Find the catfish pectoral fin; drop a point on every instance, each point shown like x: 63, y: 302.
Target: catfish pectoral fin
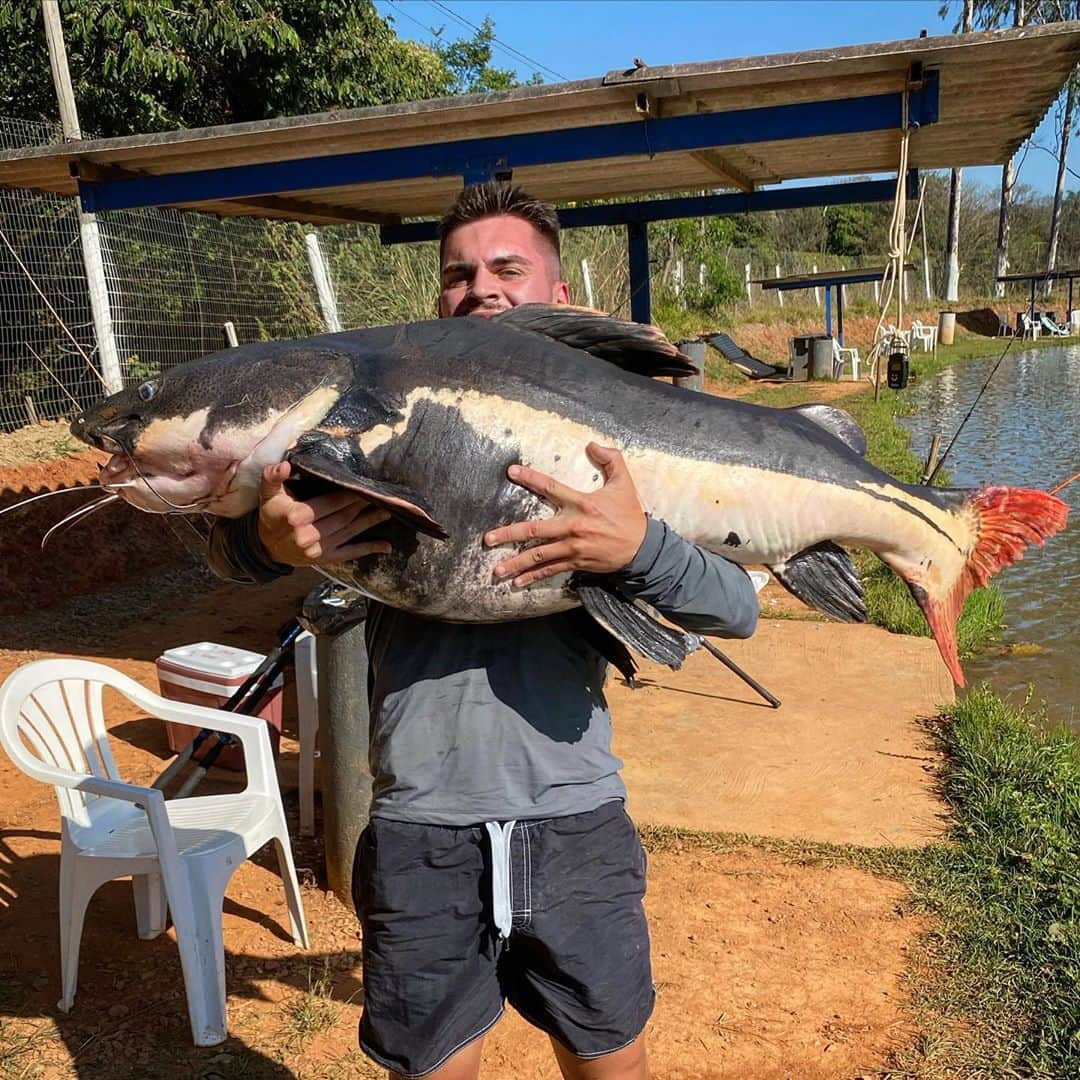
x: 824, y: 577
x: 630, y: 623
x: 339, y: 462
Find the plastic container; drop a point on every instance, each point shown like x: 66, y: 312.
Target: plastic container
x: 946, y: 327
x: 207, y: 673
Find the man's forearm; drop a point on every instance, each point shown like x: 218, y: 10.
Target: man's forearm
x: 700, y: 591
x: 235, y: 552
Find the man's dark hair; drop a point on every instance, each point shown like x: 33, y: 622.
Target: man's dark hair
x: 493, y: 198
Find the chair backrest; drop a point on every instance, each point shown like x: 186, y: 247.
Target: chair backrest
x: 52, y: 726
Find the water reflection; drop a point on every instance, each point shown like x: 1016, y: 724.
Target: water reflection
x: 1025, y: 431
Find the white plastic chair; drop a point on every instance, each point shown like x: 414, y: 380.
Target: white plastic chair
x: 844, y: 355
x: 307, y: 712
x: 925, y: 335
x: 1028, y: 329
x: 180, y: 855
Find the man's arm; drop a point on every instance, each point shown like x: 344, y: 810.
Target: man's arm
x: 697, y: 590
x: 285, y: 532
x: 607, y: 532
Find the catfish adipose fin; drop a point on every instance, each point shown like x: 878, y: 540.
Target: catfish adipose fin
x: 340, y: 463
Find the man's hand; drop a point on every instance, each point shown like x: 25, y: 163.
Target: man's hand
x: 598, y: 532
x: 319, y: 530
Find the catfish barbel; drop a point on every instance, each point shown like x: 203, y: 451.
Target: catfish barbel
x: 424, y: 419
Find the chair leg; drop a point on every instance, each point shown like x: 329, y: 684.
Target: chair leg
x: 76, y: 890
x: 151, y: 909
x: 195, y: 902
x: 298, y: 924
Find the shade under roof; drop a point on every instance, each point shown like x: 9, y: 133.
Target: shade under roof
x: 978, y: 96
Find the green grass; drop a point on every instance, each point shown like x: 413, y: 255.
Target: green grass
x: 1007, y: 952
x: 995, y: 984
x: 313, y: 1011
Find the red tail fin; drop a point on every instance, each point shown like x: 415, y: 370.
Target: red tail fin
x: 1010, y: 519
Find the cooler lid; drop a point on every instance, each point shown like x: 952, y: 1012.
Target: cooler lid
x: 225, y: 662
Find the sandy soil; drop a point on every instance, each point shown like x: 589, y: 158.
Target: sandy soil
x: 765, y: 967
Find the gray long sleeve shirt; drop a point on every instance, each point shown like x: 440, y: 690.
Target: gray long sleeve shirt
x: 508, y: 721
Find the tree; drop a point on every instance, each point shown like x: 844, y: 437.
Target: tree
x: 158, y: 65
x: 469, y: 62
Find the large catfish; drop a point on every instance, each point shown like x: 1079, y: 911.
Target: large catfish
x: 425, y: 418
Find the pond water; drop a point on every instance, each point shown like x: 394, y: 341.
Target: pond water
x: 1024, y: 432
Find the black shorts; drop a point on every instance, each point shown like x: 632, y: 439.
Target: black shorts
x: 437, y: 970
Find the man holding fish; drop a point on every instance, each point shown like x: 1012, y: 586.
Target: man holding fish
x: 499, y: 863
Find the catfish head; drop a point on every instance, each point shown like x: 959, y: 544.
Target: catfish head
x: 197, y: 438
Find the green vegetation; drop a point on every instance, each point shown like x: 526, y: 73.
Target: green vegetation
x: 994, y: 985
x: 165, y: 64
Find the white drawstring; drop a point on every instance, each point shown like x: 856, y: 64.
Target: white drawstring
x: 501, y: 904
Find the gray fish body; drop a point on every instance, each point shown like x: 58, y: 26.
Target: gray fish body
x: 424, y: 419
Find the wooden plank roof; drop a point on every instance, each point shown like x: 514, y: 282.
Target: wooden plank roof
x: 992, y: 90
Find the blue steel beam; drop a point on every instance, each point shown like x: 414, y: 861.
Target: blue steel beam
x: 637, y: 240
x: 859, y: 191
x: 487, y: 156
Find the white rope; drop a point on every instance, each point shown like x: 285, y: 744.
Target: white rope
x: 896, y: 253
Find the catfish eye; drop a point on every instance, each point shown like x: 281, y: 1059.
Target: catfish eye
x: 147, y: 391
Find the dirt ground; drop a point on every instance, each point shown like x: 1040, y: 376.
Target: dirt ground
x: 765, y: 967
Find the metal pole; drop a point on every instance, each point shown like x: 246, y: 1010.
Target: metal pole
x: 840, y: 314
x: 343, y: 751
x: 93, y: 263
x: 695, y: 350
x: 828, y: 310
x: 637, y: 240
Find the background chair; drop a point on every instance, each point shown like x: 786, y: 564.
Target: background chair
x: 844, y: 355
x: 925, y: 335
x: 180, y: 854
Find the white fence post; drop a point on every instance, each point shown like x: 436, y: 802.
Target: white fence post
x: 323, y: 286
x: 779, y: 292
x: 230, y: 334
x: 701, y: 275
x: 817, y: 291
x: 677, y: 277
x: 587, y: 278
x: 749, y: 297
x: 89, y: 233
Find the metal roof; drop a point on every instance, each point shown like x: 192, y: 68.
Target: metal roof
x: 1043, y: 275
x: 827, y: 277
x: 738, y: 123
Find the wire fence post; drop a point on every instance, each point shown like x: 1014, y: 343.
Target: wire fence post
x: 323, y: 285
x: 587, y: 278
x: 779, y: 292
x: 89, y: 234
x: 817, y: 291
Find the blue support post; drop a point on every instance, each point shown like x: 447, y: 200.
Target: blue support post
x: 828, y: 310
x: 637, y: 239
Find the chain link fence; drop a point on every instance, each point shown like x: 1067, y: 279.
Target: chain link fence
x: 174, y: 279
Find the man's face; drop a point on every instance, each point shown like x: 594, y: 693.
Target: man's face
x: 497, y: 263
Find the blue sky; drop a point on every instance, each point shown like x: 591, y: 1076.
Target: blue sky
x: 580, y: 39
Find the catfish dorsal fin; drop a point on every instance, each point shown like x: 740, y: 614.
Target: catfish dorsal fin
x: 632, y: 346
x: 836, y: 422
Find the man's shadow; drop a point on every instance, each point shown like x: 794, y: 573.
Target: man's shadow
x: 130, y: 1015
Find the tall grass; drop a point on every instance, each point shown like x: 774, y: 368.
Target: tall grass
x: 1007, y: 951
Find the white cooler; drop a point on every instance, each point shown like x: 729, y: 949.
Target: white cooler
x: 207, y: 673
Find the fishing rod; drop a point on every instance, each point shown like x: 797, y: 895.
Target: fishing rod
x: 941, y: 460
